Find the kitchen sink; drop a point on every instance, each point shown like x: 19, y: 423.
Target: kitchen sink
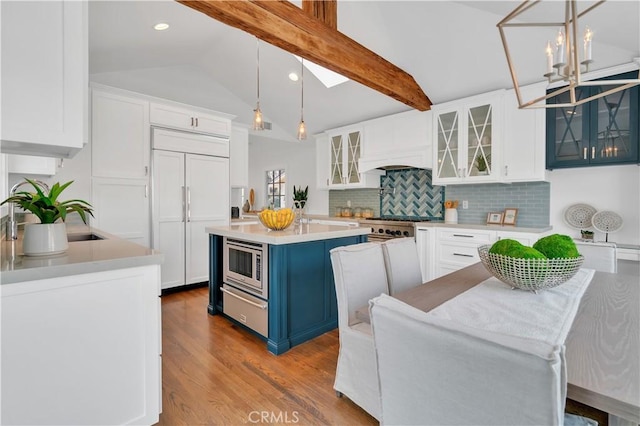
x: 72, y: 238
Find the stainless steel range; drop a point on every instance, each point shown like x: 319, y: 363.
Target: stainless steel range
x: 383, y: 229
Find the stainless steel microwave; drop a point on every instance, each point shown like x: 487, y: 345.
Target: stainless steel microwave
x: 246, y: 266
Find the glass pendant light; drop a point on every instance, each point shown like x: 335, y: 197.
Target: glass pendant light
x: 258, y: 122
x: 302, y: 130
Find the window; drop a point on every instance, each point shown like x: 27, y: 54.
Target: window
x: 276, y: 188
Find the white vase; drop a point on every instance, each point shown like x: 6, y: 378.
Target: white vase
x: 42, y: 239
x: 450, y: 216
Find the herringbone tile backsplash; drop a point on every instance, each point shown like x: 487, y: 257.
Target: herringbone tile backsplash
x: 410, y: 193
x: 414, y: 196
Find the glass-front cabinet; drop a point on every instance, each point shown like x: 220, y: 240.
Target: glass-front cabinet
x: 465, y: 141
x: 345, y: 148
x: 603, y: 131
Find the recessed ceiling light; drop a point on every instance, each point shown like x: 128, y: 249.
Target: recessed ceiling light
x: 161, y: 26
x: 293, y: 76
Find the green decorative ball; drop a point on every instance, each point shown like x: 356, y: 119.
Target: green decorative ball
x: 505, y: 247
x: 525, y: 252
x: 557, y: 246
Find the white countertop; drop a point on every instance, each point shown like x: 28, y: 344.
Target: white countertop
x: 483, y: 227
x: 82, y: 257
x: 291, y: 235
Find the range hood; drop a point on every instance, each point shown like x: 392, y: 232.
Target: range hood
x: 418, y: 157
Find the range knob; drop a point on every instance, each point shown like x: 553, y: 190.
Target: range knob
x: 388, y: 231
x: 405, y: 233
x: 397, y: 233
x: 380, y: 231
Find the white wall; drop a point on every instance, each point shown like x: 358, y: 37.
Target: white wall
x: 297, y: 159
x: 614, y: 188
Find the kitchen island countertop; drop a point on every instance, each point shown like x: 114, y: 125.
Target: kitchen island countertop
x: 308, y: 232
x: 82, y: 257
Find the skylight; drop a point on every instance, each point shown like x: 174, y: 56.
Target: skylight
x: 327, y: 77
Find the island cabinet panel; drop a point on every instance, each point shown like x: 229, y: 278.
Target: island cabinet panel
x: 302, y: 296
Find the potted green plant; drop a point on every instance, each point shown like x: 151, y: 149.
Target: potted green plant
x: 482, y: 164
x: 300, y: 196
x: 586, y: 234
x: 50, y: 235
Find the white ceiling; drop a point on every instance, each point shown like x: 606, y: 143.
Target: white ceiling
x: 452, y: 49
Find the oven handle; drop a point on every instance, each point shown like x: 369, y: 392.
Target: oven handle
x: 230, y: 293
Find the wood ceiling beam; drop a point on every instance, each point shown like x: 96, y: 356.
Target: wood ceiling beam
x: 324, y: 10
x: 288, y: 27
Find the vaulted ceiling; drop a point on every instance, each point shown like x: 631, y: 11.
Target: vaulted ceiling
x: 452, y: 49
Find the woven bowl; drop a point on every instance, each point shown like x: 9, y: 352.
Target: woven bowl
x: 529, y: 274
x: 274, y: 224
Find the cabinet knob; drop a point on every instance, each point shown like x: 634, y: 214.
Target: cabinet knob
x: 506, y: 170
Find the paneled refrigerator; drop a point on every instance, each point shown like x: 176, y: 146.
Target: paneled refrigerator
x: 190, y: 191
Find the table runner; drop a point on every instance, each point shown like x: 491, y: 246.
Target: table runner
x: 492, y: 305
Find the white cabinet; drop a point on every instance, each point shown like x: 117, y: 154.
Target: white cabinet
x: 523, y: 144
x: 44, y: 77
x: 121, y: 207
x: 83, y: 339
x: 32, y: 165
x: 401, y: 139
x: 120, y: 143
x: 467, y: 140
x: 458, y: 248
x: 322, y: 160
x: 189, y: 119
x: 345, y: 148
x: 120, y: 150
x: 239, y: 157
x: 426, y: 244
x: 190, y: 193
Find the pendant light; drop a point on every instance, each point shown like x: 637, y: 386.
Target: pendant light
x: 302, y: 130
x: 258, y: 122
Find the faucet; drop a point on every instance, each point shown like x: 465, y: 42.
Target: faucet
x: 12, y: 225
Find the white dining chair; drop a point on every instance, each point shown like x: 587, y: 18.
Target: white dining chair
x: 599, y: 256
x: 402, y: 264
x: 434, y: 371
x: 359, y: 276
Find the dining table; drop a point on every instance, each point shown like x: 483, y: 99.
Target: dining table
x: 602, y: 346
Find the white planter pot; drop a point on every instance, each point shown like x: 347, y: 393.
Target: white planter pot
x: 450, y: 216
x: 44, y: 239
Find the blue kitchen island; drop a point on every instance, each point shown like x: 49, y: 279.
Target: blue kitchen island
x: 298, y: 299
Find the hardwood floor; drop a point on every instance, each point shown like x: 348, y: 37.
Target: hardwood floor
x: 215, y: 373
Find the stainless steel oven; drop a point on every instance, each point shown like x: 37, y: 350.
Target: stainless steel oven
x: 383, y: 229
x: 246, y: 266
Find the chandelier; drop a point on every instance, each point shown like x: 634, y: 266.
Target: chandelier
x: 566, y: 59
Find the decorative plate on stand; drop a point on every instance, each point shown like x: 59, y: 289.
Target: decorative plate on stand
x: 579, y: 216
x: 607, y: 221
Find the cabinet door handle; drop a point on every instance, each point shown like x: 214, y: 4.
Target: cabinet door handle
x: 146, y: 170
x: 463, y: 254
x: 584, y: 152
x: 593, y: 152
x: 188, y: 204
x: 184, y: 204
x: 463, y: 235
x: 191, y: 121
x: 196, y: 121
x: 506, y: 170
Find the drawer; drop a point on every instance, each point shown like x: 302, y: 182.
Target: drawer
x: 246, y: 309
x: 458, y: 253
x: 474, y: 236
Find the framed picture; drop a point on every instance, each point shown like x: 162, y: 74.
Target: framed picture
x: 494, y: 218
x: 510, y: 215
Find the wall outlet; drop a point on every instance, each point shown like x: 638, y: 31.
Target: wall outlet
x: 465, y: 204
